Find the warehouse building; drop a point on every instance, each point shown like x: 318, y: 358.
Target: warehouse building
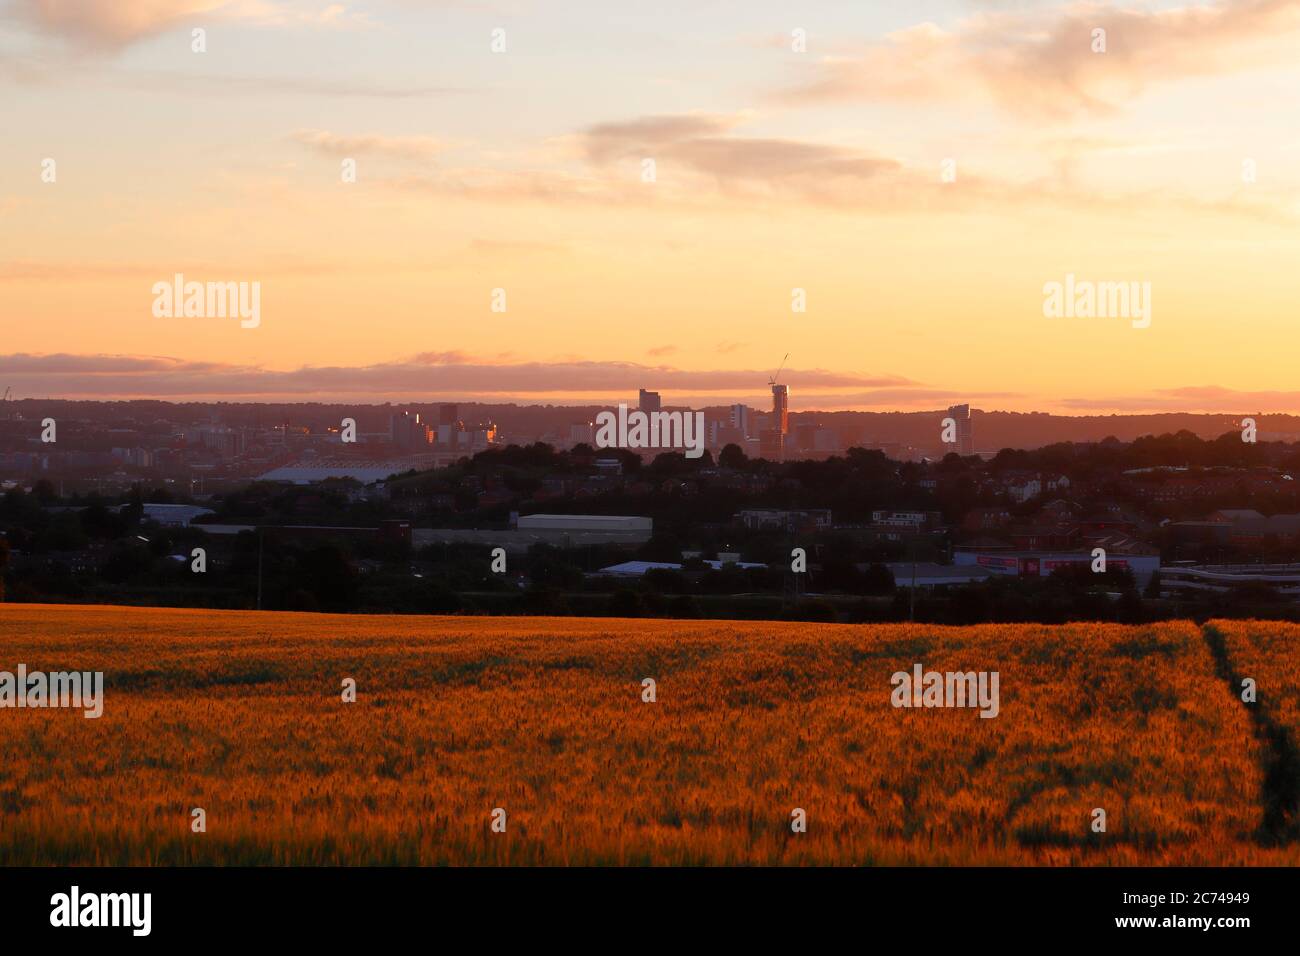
x: 174, y: 516
x: 562, y: 531
x: 927, y: 574
x: 1043, y: 563
x: 636, y: 569
x: 1220, y: 578
x: 614, y: 524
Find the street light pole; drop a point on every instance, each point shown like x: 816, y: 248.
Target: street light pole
x: 259, y: 569
x: 911, y: 592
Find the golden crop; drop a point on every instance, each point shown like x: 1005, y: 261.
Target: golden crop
x: 240, y: 713
x: 1268, y: 652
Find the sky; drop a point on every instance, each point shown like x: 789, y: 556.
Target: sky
x: 650, y: 192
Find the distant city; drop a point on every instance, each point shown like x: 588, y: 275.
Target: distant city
x: 108, y: 446
x: 401, y: 508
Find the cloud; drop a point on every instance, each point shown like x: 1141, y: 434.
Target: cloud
x: 890, y: 398
x: 1041, y: 63
x: 428, y: 374
x: 401, y: 147
x: 699, y: 162
x: 218, y: 85
x: 28, y: 270
x: 24, y: 270
x: 608, y: 141
x: 62, y: 70
x: 21, y: 364
x: 1199, y: 398
x: 456, y: 375
x: 704, y: 144
x: 111, y: 23
x: 702, y: 162
x: 117, y: 23
x: 507, y: 185
x: 114, y: 24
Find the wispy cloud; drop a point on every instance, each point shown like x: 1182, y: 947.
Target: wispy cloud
x: 215, y: 84
x: 429, y: 374
x: 113, y: 24
x: 703, y: 161
x: 461, y: 376
x: 402, y: 147
x: 1198, y: 398
x: 70, y: 68
x: 85, y: 271
x: 895, y: 398
x: 1041, y: 63
x: 706, y: 145
x: 699, y: 161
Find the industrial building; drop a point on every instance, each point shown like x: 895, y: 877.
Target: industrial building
x: 394, y: 530
x: 1220, y: 578
x: 310, y: 471
x: 566, y: 531
x: 774, y: 519
x: 926, y: 574
x: 610, y: 523
x: 1043, y: 563
x: 174, y: 516
x: 636, y: 569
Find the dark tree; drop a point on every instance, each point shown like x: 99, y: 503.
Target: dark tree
x: 732, y: 456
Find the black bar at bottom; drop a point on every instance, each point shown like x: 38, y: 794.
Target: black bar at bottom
x: 621, y: 906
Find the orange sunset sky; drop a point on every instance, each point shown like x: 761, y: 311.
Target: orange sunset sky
x: 1171, y: 158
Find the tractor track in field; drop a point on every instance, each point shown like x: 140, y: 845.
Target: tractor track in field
x: 1280, y: 791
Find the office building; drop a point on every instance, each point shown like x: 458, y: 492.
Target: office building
x: 740, y: 419
x: 965, y: 444
x: 771, y: 444
x: 406, y: 431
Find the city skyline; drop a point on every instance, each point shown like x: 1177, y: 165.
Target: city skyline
x: 914, y: 180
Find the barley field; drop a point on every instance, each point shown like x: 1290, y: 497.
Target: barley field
x: 1264, y: 652
x: 241, y: 714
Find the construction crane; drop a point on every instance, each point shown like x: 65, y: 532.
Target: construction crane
x: 777, y: 373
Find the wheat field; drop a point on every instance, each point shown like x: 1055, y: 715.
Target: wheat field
x: 241, y: 714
